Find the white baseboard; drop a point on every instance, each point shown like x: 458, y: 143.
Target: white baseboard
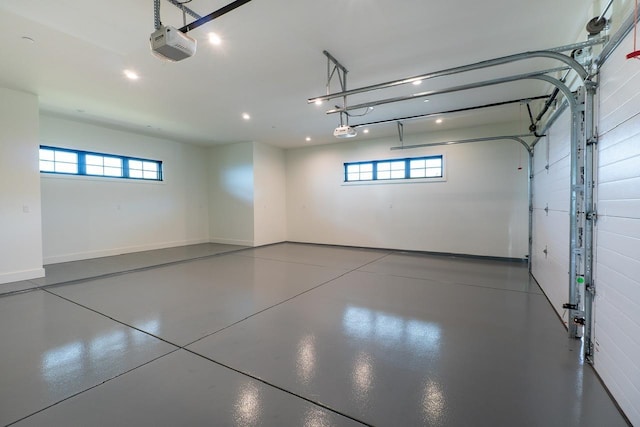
x: 79, y: 256
x: 231, y: 241
x: 16, y: 276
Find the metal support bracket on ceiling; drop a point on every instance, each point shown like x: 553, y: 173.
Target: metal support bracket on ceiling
x: 184, y: 9
x: 200, y: 20
x: 213, y: 15
x: 400, y: 131
x: 336, y: 69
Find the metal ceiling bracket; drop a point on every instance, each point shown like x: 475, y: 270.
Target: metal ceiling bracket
x: 184, y: 9
x: 401, y: 131
x: 157, y: 22
x: 200, y: 20
x: 213, y: 15
x: 336, y: 69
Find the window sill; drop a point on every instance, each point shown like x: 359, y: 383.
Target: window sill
x: 394, y: 181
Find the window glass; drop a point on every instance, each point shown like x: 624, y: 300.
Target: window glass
x: 76, y: 162
x: 397, y: 169
x: 359, y: 172
x: 65, y: 162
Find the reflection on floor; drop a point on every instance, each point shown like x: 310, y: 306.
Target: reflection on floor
x: 292, y: 335
x: 97, y: 267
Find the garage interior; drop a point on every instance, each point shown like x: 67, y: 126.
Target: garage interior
x: 353, y: 213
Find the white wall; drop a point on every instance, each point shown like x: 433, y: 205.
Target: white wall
x: 86, y: 217
x: 480, y: 209
x: 551, y: 179
x: 231, y: 193
x: 20, y: 222
x: 617, y: 303
x: 247, y: 193
x: 270, y: 207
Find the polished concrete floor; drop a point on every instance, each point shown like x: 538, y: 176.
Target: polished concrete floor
x: 290, y: 335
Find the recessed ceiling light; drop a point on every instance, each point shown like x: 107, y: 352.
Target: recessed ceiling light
x: 246, y: 116
x: 426, y: 100
x: 215, y: 39
x: 131, y: 75
x: 308, y: 139
x: 439, y: 121
x: 365, y: 131
x: 416, y: 82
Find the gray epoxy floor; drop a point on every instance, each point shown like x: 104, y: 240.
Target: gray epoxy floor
x: 294, y: 335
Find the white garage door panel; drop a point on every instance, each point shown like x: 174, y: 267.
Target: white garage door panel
x: 619, y: 88
x: 619, y: 171
x: 621, y: 343
x: 617, y: 251
x: 551, y: 229
x: 551, y: 271
x: 624, y: 191
x: 553, y: 184
x: 612, y: 224
x: 622, y: 208
x: 539, y: 157
x: 611, y: 366
x: 615, y: 65
x: 559, y: 137
x: 624, y: 245
x: 620, y: 262
x: 557, y: 194
x: 615, y: 145
x: 621, y: 288
x: 551, y: 226
x: 619, y: 106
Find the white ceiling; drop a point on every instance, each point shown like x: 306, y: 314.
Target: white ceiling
x: 271, y: 62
